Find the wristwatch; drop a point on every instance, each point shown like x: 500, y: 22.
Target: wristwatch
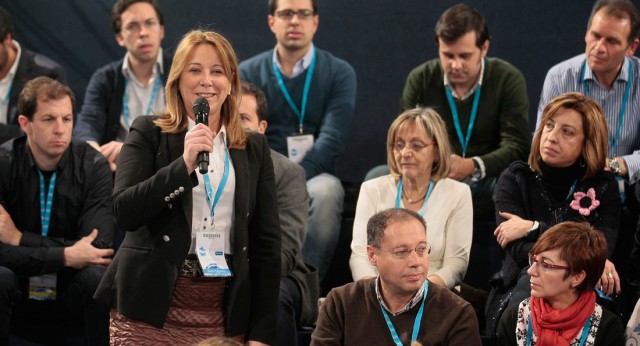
x: 477, y: 172
x: 614, y: 166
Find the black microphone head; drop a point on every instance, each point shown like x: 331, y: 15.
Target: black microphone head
x: 201, y: 111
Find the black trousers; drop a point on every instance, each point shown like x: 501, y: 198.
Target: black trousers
x: 73, y: 312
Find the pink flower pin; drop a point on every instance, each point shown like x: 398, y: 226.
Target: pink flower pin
x: 585, y: 202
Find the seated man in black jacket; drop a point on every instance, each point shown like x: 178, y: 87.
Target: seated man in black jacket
x: 56, y: 228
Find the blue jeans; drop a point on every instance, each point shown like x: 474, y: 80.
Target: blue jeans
x: 323, y: 226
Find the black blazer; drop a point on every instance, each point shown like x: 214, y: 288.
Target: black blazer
x: 149, y: 205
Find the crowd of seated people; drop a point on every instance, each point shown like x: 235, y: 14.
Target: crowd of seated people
x: 226, y: 226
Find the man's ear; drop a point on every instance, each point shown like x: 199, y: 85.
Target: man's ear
x: 25, y: 124
x: 371, y: 254
x: 262, y: 126
x: 485, y: 48
x: 120, y: 40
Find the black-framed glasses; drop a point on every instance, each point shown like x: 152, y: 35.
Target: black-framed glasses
x: 288, y: 14
x: 546, y: 266
x: 414, y: 146
x: 403, y: 252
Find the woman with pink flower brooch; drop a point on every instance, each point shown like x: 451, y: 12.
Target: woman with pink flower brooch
x: 564, y: 180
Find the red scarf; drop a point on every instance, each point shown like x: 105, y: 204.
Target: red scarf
x: 560, y: 327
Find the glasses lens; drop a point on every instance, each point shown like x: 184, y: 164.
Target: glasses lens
x: 285, y: 14
x: 305, y: 13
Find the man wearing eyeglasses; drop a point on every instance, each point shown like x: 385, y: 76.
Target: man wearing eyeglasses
x: 125, y: 89
x: 399, y: 306
x: 311, y: 98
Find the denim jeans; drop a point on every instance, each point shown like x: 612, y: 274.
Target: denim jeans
x: 323, y: 226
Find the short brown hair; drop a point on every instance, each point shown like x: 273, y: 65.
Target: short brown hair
x: 596, y: 133
x: 581, y: 246
x: 43, y: 88
x: 428, y: 121
x: 459, y: 20
x: 121, y: 5
x: 379, y: 222
x: 261, y: 99
x: 621, y: 9
x: 273, y: 5
x: 176, y: 119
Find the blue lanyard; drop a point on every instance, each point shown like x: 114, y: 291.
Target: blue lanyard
x: 5, y: 101
x: 223, y: 183
x: 583, y: 338
x: 464, y: 142
x: 305, y: 91
x: 573, y: 188
x: 613, y: 141
x: 424, y: 204
x: 46, y: 202
x: 416, y: 323
x: 152, y: 100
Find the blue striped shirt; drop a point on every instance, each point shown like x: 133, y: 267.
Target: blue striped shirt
x: 567, y: 77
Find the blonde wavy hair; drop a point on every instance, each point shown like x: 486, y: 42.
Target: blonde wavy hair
x: 175, y: 118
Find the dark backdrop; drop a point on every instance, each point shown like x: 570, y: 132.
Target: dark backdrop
x: 383, y: 41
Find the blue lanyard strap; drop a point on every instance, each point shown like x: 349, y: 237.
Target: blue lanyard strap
x: 613, y: 140
x: 46, y: 202
x: 416, y: 323
x: 223, y: 183
x: 305, y: 91
x: 573, y: 188
x: 464, y: 141
x: 5, y: 101
x: 426, y: 198
x: 152, y: 100
x: 583, y: 338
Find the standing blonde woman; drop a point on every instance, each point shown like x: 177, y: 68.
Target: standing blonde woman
x: 163, y: 286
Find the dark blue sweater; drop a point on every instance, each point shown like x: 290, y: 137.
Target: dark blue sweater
x: 330, y: 105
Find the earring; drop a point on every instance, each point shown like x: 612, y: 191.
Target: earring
x: 582, y: 162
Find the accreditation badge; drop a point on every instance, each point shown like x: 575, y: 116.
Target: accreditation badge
x: 43, y: 287
x: 298, y: 145
x: 210, y: 249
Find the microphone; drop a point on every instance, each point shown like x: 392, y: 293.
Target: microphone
x: 201, y: 111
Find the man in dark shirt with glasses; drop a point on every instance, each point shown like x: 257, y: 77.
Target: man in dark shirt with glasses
x: 56, y: 228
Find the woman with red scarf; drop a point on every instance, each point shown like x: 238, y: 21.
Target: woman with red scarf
x: 566, y: 263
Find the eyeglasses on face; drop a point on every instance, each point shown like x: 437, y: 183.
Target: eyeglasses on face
x: 414, y: 146
x: 544, y: 265
x: 134, y: 27
x: 403, y: 252
x: 288, y: 14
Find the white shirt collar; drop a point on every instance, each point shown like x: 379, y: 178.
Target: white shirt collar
x: 472, y: 90
x: 300, y: 66
x: 158, y: 68
x: 14, y: 67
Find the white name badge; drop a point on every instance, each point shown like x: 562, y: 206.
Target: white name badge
x: 210, y: 251
x: 43, y: 287
x: 298, y: 146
